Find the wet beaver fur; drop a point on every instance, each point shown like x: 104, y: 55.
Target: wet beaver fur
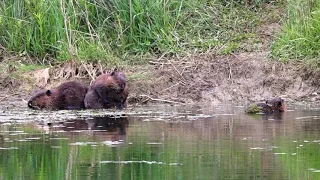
x: 109, y: 90
x: 68, y: 95
x: 274, y: 105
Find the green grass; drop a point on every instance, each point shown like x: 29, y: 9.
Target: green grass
x: 300, y: 38
x: 109, y: 31
x: 18, y: 67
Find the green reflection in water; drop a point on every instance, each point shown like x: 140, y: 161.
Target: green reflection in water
x: 300, y: 156
x: 228, y: 147
x: 141, y: 156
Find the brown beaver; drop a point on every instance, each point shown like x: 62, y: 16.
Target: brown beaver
x: 68, y: 95
x: 107, y: 91
x: 274, y: 105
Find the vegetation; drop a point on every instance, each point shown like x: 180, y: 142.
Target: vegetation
x: 110, y: 31
x: 300, y: 36
x: 254, y: 109
x: 95, y: 30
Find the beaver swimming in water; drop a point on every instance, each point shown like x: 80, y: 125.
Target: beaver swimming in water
x: 274, y: 105
x: 109, y: 90
x: 68, y: 95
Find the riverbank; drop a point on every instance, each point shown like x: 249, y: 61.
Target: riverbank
x: 236, y: 70
x: 202, y: 78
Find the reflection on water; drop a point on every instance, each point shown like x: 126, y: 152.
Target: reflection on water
x: 160, y: 142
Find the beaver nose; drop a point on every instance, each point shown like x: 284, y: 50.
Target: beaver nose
x: 30, y: 104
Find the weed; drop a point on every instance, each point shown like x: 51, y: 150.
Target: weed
x: 254, y: 109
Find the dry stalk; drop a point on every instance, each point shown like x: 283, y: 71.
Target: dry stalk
x: 159, y: 100
x: 174, y: 67
x: 63, y: 9
x: 89, y: 24
x: 161, y: 63
x: 85, y: 66
x: 131, y: 19
x: 170, y: 87
x: 3, y: 98
x: 230, y: 73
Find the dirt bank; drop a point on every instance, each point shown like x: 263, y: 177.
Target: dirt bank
x: 202, y: 78
x: 234, y: 78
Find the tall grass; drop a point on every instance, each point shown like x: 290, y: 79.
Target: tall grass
x: 300, y: 38
x: 103, y: 30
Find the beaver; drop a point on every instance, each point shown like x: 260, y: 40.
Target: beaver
x: 107, y: 91
x: 274, y: 105
x: 68, y: 95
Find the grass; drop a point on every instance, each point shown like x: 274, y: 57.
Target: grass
x: 300, y: 36
x: 15, y: 69
x: 111, y: 31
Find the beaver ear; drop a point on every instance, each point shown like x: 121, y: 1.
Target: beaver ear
x: 114, y: 71
x: 48, y: 93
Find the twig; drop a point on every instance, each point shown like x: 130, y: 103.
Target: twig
x: 161, y: 56
x: 88, y: 71
x: 24, y: 100
x: 170, y: 87
x: 174, y: 67
x: 160, y: 100
x: 235, y: 56
x: 161, y: 63
x: 3, y: 98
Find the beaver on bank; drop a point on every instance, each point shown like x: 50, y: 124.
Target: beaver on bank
x: 274, y: 105
x: 109, y: 90
x: 68, y: 95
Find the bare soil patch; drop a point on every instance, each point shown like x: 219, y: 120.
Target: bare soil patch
x: 234, y: 78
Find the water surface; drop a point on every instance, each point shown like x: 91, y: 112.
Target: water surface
x: 160, y: 142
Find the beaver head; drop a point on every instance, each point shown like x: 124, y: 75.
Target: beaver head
x: 277, y: 104
x: 40, y: 99
x: 120, y: 79
x: 112, y: 80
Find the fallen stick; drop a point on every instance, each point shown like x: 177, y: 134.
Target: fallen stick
x: 159, y: 100
x: 161, y: 63
x: 170, y: 87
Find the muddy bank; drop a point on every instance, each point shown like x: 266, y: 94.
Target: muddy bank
x: 205, y: 78
x: 234, y: 78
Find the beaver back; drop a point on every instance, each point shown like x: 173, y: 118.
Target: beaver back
x: 68, y: 95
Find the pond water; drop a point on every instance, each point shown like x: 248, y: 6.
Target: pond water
x: 160, y: 142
